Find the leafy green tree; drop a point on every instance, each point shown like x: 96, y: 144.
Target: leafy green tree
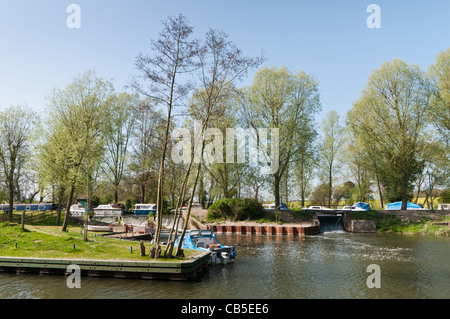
x: 304, y: 170
x: 445, y: 196
x: 147, y: 138
x: 332, y: 141
x: 390, y: 117
x: 436, y: 169
x: 440, y: 99
x: 279, y: 98
x: 345, y: 192
x: 119, y: 129
x: 53, y: 167
x: 319, y: 195
x: 358, y: 161
x: 78, y: 115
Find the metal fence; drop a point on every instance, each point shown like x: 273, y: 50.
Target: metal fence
x: 30, y: 217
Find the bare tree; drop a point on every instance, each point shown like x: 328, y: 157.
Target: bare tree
x: 16, y: 124
x: 222, y: 64
x: 173, y: 54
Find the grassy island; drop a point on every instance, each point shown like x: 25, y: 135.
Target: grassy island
x: 51, y: 242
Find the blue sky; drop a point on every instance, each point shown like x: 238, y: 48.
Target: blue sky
x: 329, y: 39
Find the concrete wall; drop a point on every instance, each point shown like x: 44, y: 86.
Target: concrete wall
x: 363, y: 226
x: 358, y: 226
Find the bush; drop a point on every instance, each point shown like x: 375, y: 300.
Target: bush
x: 445, y: 196
x: 235, y: 209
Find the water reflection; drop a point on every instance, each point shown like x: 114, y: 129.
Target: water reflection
x: 329, y: 265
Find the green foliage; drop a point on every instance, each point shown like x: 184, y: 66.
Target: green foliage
x: 440, y: 98
x: 392, y: 223
x: 445, y: 196
x: 390, y: 120
x: 235, y: 209
x: 304, y: 215
x: 289, y: 100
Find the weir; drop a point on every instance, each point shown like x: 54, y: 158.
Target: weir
x: 330, y: 222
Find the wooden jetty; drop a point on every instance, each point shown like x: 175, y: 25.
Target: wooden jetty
x: 152, y: 269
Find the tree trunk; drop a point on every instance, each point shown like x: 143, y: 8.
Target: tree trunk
x: 85, y: 230
x: 11, y: 205
x: 23, y: 220
x: 286, y: 185
x: 380, y: 195
x: 142, y: 192
x: 69, y: 203
x: 177, y: 216
x: 404, y: 195
x: 116, y: 193
x: 11, y: 190
x: 60, y: 200
x: 159, y: 202
x: 276, y: 186
x: 188, y: 213
x: 417, y: 194
x: 330, y: 186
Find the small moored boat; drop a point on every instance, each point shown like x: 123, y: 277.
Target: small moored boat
x: 96, y: 228
x: 47, y: 206
x: 283, y: 206
x: 317, y: 208
x: 77, y: 210
x: 398, y: 206
x: 109, y: 210
x: 205, y: 240
x: 144, y: 209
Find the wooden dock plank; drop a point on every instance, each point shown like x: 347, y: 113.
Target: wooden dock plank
x: 126, y: 267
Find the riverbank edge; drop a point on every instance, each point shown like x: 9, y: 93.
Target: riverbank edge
x: 382, y: 221
x: 409, y: 222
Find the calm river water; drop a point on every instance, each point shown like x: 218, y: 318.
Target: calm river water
x: 329, y: 265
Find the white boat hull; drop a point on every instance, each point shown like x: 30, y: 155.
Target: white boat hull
x: 220, y: 260
x: 107, y: 213
x: 100, y: 228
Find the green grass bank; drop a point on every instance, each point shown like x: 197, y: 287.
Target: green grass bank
x: 50, y: 242
x: 406, y: 222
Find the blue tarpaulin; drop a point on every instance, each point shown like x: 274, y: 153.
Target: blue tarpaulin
x: 398, y: 205
x: 364, y: 206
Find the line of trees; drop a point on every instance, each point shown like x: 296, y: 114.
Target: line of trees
x: 116, y: 146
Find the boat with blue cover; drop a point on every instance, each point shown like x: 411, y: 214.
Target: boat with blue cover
x: 283, y: 206
x: 398, y: 205
x: 359, y: 206
x: 205, y: 240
